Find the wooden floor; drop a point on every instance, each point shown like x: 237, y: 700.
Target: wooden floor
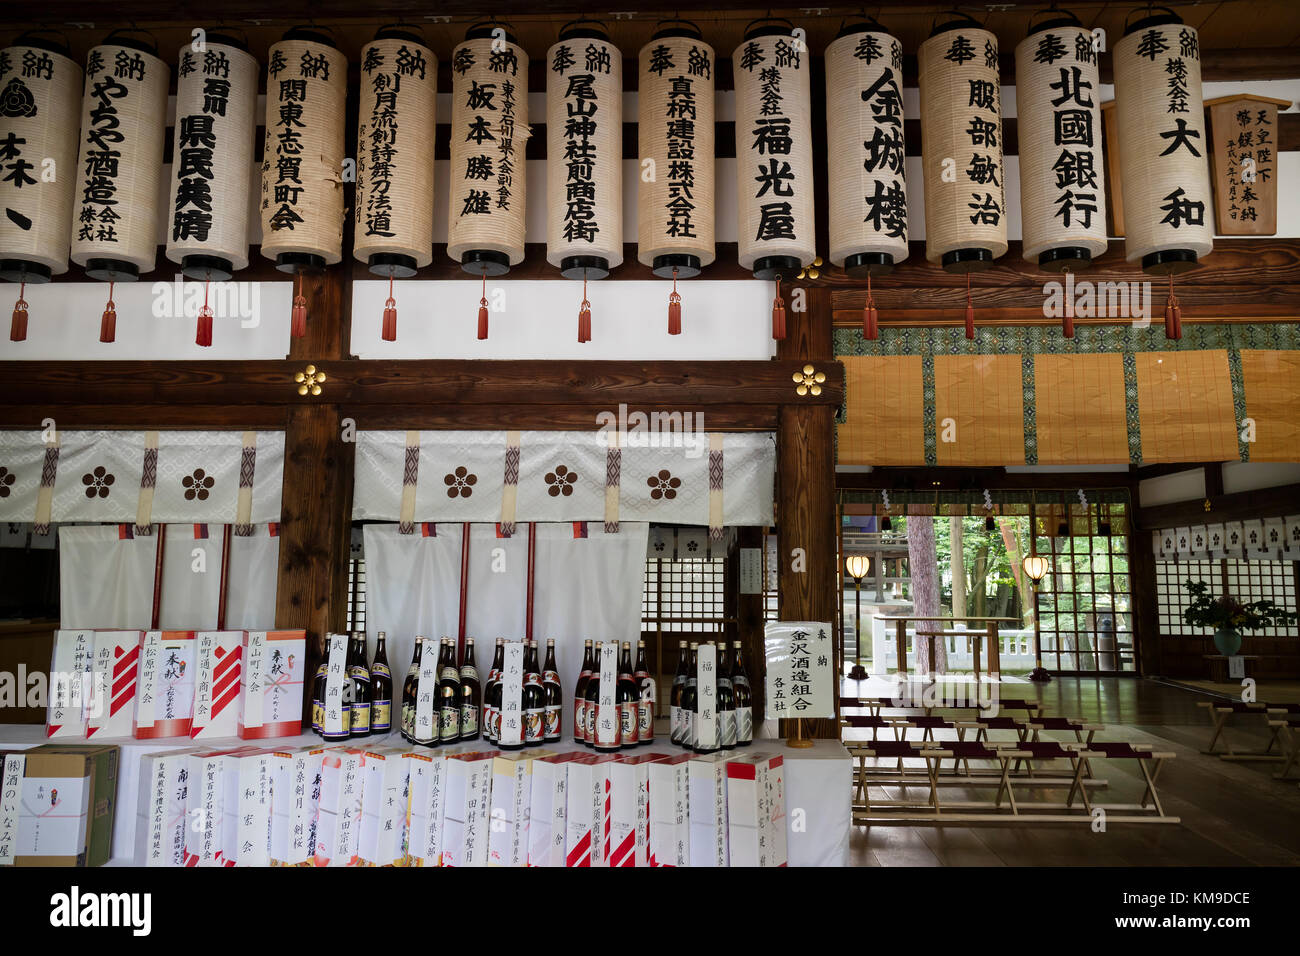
x: 1233, y: 813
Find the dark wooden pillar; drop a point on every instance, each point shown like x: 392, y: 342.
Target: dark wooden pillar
x: 1147, y: 652
x: 749, y: 618
x: 315, y: 529
x: 316, y: 508
x: 805, y: 487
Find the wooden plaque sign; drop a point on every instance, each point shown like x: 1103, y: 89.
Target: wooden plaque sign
x: 1243, y: 131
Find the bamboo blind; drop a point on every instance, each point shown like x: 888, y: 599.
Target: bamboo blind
x: 979, y: 405
x: 885, y: 418
x: 1185, y: 406
x: 1080, y: 409
x: 1272, y: 383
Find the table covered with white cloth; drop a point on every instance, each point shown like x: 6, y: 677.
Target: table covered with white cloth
x: 818, y: 786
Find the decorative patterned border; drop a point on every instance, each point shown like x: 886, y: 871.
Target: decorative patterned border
x: 1131, y: 409
x: 1238, y: 400
x: 1031, y: 409
x: 927, y: 404
x: 1008, y: 340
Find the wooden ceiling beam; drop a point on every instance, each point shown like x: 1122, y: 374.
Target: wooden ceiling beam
x: 419, y: 383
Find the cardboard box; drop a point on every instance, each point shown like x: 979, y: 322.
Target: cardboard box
x: 247, y: 831
x: 512, y: 780
x: 670, y: 829
x: 271, y: 684
x: 426, y: 809
x: 113, y: 672
x: 624, y: 840
x: 586, y: 809
x: 756, y: 810
x: 57, y: 805
x: 160, y: 820
x: 295, y: 798
x: 384, y: 797
x: 708, y: 809
x: 548, y: 809
x: 69, y: 683
x: 465, y: 821
x: 165, y: 701
x: 338, y: 818
x: 216, y: 687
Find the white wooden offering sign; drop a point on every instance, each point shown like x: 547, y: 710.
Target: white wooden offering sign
x: 800, y: 669
x: 512, y: 694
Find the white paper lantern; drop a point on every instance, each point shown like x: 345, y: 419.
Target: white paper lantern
x: 489, y: 129
x: 961, y: 138
x: 40, y: 101
x: 584, y: 146
x: 395, y: 128
x: 302, y: 163
x: 1163, y: 148
x: 212, y: 158
x: 119, y: 169
x: 675, y: 208
x: 774, y: 165
x: 1062, y: 171
x: 864, y: 150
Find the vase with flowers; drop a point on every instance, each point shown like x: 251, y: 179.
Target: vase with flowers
x: 1229, y: 617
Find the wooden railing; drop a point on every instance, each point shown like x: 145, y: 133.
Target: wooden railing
x: 990, y: 633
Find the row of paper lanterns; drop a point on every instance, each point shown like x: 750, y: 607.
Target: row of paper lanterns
x: 106, y: 214
x: 1257, y: 539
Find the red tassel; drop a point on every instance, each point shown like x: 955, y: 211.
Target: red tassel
x: 1173, y: 314
x: 584, y: 315
x: 389, y: 333
x: 1067, y: 317
x: 778, y: 314
x: 674, y: 309
x: 298, y: 325
x: 18, y: 330
x: 970, y: 311
x: 870, y: 318
x: 483, y: 310
x: 108, y: 323
x: 203, y: 336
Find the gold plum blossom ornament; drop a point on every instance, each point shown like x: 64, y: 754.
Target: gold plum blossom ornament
x: 809, y: 380
x: 309, y: 380
x: 811, y: 272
